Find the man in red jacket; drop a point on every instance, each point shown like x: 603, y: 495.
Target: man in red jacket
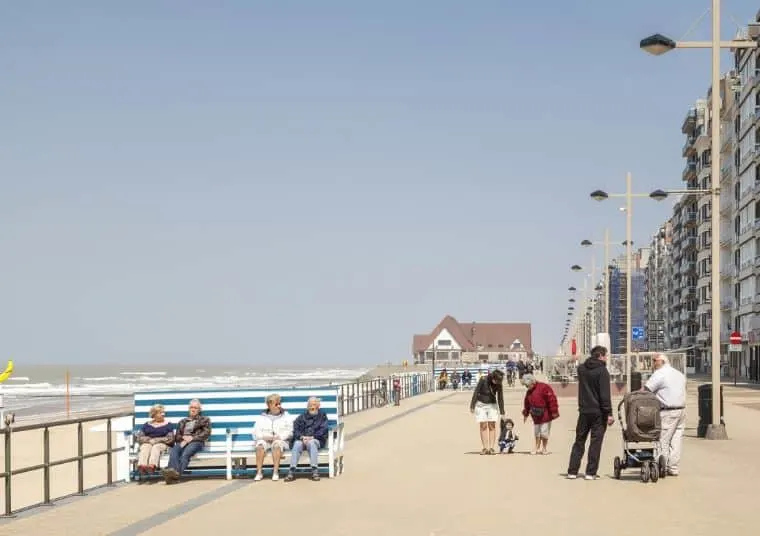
x: 541, y: 405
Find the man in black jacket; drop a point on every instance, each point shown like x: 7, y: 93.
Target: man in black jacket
x: 594, y: 412
x: 487, y: 404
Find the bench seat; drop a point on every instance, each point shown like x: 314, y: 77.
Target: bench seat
x: 232, y: 414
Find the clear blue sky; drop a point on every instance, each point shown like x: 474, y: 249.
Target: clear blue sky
x: 211, y: 180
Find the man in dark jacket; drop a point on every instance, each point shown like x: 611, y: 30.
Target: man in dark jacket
x: 594, y: 412
x: 192, y: 432
x: 487, y: 404
x: 310, y: 433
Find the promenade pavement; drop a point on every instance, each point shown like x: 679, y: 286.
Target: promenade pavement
x: 415, y: 470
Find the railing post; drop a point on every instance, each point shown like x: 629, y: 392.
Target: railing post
x: 109, y: 455
x: 8, y: 470
x: 80, y: 459
x: 46, y: 463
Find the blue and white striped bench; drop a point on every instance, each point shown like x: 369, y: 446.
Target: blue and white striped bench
x: 232, y: 414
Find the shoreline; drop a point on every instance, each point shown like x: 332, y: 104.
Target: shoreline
x: 50, y: 408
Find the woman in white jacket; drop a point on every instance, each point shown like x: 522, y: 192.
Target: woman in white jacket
x: 272, y: 432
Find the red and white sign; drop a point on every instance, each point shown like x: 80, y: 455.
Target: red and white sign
x: 736, y: 338
x: 573, y: 347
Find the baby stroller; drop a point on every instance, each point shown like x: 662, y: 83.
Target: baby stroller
x: 641, y: 437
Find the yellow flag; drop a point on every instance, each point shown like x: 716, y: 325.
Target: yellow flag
x: 7, y: 372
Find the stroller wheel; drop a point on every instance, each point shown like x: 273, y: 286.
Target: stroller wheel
x: 645, y: 472
x: 654, y: 472
x: 662, y: 462
x: 616, y: 468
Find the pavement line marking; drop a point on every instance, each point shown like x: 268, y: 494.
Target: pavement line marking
x: 139, y: 527
x: 181, y: 509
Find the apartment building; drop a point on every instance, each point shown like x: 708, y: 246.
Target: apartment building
x: 684, y: 258
x: 657, y: 276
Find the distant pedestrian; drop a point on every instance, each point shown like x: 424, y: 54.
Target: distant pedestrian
x: 396, y: 391
x: 669, y: 386
x: 488, y: 404
x: 540, y: 404
x: 594, y: 413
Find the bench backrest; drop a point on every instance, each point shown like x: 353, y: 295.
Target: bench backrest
x: 235, y: 409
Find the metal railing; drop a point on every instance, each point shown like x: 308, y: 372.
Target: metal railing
x: 46, y: 465
x: 378, y: 392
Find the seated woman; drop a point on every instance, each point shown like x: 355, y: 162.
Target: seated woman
x: 154, y: 438
x: 272, y: 432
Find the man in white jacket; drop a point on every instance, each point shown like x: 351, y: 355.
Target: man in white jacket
x: 669, y: 386
x: 272, y: 432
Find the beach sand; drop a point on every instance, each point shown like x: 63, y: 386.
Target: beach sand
x: 27, y: 450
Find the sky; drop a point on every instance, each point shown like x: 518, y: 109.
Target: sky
x: 311, y: 183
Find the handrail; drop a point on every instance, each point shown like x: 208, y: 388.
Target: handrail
x: 8, y: 473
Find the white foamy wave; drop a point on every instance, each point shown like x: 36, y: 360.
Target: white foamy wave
x: 18, y: 379
x: 128, y: 383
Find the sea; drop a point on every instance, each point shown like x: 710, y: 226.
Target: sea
x: 39, y: 391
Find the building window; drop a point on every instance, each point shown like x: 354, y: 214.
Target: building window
x: 455, y: 356
x: 483, y: 358
x: 444, y: 342
x: 429, y: 355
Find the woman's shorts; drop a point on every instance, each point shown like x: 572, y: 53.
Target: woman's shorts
x: 542, y: 430
x: 486, y: 412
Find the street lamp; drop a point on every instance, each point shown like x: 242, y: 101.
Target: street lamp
x: 601, y: 195
x: 658, y: 44
x: 606, y: 243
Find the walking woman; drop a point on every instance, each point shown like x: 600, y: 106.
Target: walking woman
x: 488, y: 404
x: 154, y: 438
x: 541, y: 405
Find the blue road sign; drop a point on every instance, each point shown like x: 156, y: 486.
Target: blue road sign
x: 637, y: 333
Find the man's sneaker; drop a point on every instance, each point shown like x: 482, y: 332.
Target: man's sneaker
x: 290, y: 477
x: 571, y: 476
x: 591, y: 477
x: 258, y: 477
x: 275, y: 476
x: 315, y: 475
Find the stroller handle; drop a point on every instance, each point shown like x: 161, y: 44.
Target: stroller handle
x: 620, y: 415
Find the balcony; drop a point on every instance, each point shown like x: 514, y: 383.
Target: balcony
x: 704, y: 172
x: 727, y: 304
x: 690, y: 217
x: 689, y: 242
x: 748, y: 157
x: 756, y: 304
x: 703, y: 335
x: 688, y: 147
x: 689, y: 122
x: 727, y: 240
x: 746, y: 269
x: 690, y: 340
x: 746, y: 232
x: 746, y: 195
x: 688, y: 267
x: 726, y: 142
x: 728, y: 272
x: 690, y: 170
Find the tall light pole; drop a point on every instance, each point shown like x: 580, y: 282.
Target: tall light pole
x: 657, y: 195
x: 658, y: 44
x: 606, y: 243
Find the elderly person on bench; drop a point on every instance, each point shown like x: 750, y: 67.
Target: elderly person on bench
x: 154, y: 437
x: 310, y: 433
x: 272, y: 432
x: 192, y: 433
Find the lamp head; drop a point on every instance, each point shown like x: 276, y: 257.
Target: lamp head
x: 576, y: 268
x: 659, y: 195
x: 599, y: 195
x: 571, y: 289
x: 657, y: 44
x: 585, y: 243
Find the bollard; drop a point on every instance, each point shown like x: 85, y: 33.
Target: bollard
x: 46, y: 468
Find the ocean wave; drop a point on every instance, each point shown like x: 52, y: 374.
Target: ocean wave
x: 129, y: 383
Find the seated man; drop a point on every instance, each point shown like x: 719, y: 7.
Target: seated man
x: 310, y: 432
x: 272, y: 432
x: 192, y: 433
